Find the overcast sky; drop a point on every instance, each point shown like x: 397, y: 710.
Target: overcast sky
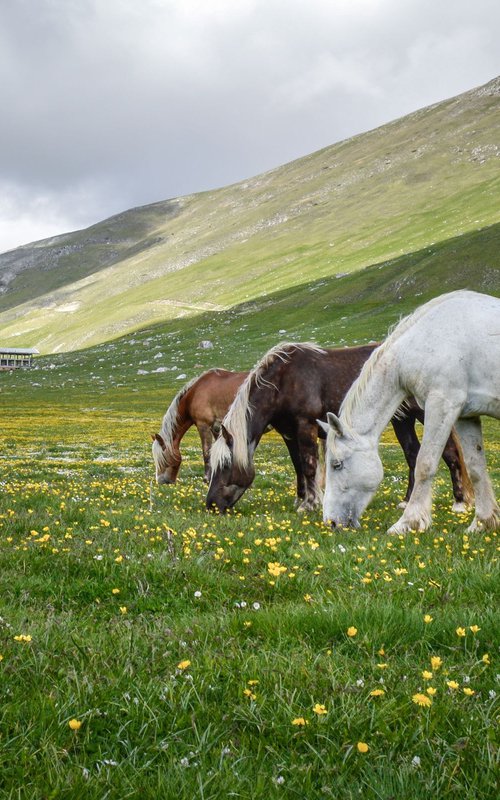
x: 109, y: 104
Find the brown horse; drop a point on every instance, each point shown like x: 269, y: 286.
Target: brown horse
x: 202, y: 402
x: 292, y: 387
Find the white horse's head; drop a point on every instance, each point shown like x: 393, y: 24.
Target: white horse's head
x: 353, y: 473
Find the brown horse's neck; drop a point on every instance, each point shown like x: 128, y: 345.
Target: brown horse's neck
x: 183, y: 422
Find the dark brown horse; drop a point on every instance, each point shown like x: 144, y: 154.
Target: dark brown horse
x: 202, y: 402
x: 290, y: 388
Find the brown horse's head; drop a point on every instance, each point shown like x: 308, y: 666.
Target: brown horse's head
x: 228, y: 480
x: 167, y: 461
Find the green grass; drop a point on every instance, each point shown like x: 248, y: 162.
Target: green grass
x: 80, y: 517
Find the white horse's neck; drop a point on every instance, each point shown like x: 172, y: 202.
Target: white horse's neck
x: 374, y: 397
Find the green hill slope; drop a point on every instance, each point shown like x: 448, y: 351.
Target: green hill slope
x: 396, y: 196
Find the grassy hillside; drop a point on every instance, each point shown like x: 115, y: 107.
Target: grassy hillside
x: 150, y: 649
x: 398, y: 198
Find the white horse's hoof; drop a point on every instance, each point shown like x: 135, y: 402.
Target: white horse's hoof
x: 407, y: 526
x: 403, y: 504
x: 459, y: 508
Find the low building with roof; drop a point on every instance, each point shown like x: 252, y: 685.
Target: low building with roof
x: 17, y: 357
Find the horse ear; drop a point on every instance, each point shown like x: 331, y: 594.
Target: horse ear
x: 227, y: 436
x: 335, y: 423
x: 324, y: 427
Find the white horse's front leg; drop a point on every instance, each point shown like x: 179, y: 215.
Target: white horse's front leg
x: 487, y: 511
x: 439, y: 419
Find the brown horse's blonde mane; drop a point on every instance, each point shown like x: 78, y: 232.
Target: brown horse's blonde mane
x: 240, y: 411
x: 171, y: 420
x: 354, y: 397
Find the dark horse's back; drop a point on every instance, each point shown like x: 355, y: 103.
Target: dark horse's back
x: 312, y: 382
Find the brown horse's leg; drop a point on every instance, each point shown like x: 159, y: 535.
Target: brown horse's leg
x: 206, y: 443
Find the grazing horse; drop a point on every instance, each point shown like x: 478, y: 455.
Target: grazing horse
x: 447, y: 355
x: 202, y: 402
x: 289, y: 388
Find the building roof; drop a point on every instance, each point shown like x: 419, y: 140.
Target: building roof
x: 19, y: 351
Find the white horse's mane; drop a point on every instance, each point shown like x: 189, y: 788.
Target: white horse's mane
x: 353, y: 398
x: 240, y: 411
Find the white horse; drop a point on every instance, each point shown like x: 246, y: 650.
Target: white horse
x: 447, y: 355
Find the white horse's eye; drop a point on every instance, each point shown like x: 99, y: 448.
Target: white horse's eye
x: 337, y: 464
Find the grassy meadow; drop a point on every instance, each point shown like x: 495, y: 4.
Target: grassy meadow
x: 150, y: 649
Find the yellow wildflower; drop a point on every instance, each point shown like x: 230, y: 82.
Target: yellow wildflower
x: 468, y: 691
x: 452, y: 684
x: 431, y: 691
x: 352, y: 631
x: 486, y: 659
x: 300, y: 722
x: 421, y: 699
x: 436, y: 662
x: 362, y: 747
x: 428, y: 618
x: 184, y: 664
x: 461, y: 631
x: 474, y: 628
x: 75, y: 724
x: 377, y: 693
x: 426, y: 675
x: 320, y: 709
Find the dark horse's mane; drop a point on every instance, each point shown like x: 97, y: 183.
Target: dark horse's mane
x: 240, y: 411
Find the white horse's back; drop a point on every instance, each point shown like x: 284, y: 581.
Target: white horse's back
x: 452, y: 344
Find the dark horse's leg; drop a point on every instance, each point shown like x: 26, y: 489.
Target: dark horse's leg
x: 307, y: 436
x: 404, y: 428
x: 206, y: 437
x: 293, y: 449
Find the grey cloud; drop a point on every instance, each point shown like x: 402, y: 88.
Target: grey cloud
x: 114, y: 103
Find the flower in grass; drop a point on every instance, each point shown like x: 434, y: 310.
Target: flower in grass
x: 362, y: 747
x: 320, y: 709
x: 436, y: 662
x: 1, y: 657
x: 123, y: 609
x: 468, y: 691
x: 377, y: 693
x: 22, y: 638
x: 115, y: 591
x: 197, y: 594
x: 352, y: 631
x: 75, y: 724
x: 460, y: 631
x: 428, y: 619
x: 431, y: 691
x: 426, y: 675
x: 422, y: 700
x: 486, y: 658
x: 308, y: 598
x: 300, y: 722
x: 474, y: 628
x: 248, y: 693
x: 184, y: 664
x: 415, y: 762
x: 452, y: 684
